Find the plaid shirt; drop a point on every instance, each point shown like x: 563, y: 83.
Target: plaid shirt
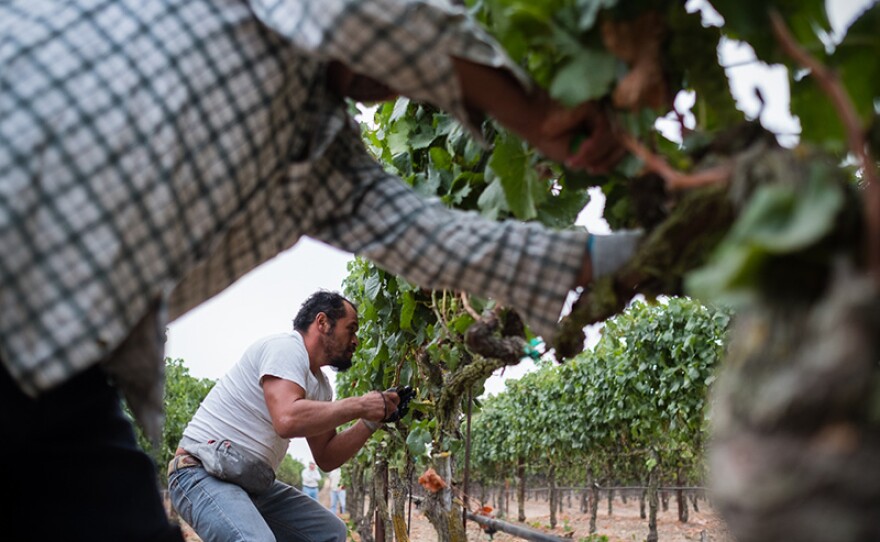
x: 153, y: 152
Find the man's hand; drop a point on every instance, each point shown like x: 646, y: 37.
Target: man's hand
x: 377, y: 405
x: 580, y: 137
x: 405, y: 394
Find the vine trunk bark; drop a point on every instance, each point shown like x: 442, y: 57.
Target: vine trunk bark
x: 680, y: 496
x: 521, y: 489
x: 554, y: 495
x: 380, y: 502
x: 399, y: 489
x: 642, y: 513
x: 594, y: 501
x: 440, y: 508
x: 357, y: 499
x: 653, y: 500
x: 796, y: 432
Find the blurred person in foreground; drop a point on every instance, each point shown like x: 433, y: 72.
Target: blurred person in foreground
x: 153, y: 153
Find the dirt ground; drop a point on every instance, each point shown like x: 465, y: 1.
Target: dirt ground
x: 623, y: 526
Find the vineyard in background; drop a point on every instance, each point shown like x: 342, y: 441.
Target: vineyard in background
x: 751, y: 365
x: 785, y: 238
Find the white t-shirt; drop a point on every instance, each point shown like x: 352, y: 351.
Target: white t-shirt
x: 310, y: 477
x: 335, y: 477
x: 235, y: 409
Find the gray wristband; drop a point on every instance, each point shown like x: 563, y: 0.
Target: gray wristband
x: 608, y: 253
x: 372, y: 426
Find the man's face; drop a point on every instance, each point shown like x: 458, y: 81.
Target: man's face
x: 341, y: 340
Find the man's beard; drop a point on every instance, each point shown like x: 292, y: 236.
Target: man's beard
x: 341, y: 363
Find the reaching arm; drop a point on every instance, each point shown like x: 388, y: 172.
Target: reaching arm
x: 437, y: 54
x: 295, y: 416
x: 540, y: 120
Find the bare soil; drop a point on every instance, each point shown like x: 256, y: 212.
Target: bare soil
x: 624, y: 525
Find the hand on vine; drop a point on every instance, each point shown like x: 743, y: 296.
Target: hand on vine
x: 581, y: 137
x: 405, y: 394
x: 378, y: 406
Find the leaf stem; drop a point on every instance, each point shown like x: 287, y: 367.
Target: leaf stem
x: 467, y: 306
x: 831, y: 85
x: 675, y: 180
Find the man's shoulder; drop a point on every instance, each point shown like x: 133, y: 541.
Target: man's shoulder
x: 274, y: 351
x: 290, y: 339
x: 284, y: 336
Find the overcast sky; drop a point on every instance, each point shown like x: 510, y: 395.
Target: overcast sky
x: 212, y: 337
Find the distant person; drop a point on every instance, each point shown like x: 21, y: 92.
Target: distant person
x: 340, y: 498
x: 151, y: 154
x: 276, y: 392
x: 337, y: 491
x: 311, y: 478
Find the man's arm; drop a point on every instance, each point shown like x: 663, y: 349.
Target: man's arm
x: 531, y: 114
x: 295, y: 416
x: 540, y: 120
x: 332, y: 449
x: 437, y: 54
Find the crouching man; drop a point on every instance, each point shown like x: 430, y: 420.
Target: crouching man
x: 222, y: 478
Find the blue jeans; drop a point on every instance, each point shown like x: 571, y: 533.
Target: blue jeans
x: 220, y: 511
x: 311, y: 492
x: 337, y: 500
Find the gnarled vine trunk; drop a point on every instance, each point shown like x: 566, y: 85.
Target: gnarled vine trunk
x: 642, y: 496
x: 653, y: 500
x: 445, y: 516
x: 399, y: 489
x: 796, y: 441
x: 521, y: 489
x: 594, y: 501
x: 553, y: 494
x: 357, y: 499
x: 384, y: 532
x: 681, y: 498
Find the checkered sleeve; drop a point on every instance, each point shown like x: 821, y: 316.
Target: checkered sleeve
x: 362, y: 209
x: 407, y: 45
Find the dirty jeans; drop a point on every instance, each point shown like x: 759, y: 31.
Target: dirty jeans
x: 223, y: 512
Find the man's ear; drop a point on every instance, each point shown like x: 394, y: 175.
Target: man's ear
x: 323, y: 321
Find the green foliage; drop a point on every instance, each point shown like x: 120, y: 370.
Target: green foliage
x: 784, y: 226
x: 643, y: 387
x: 183, y: 395
x: 661, y: 358
x: 853, y: 60
x: 290, y: 471
x: 749, y: 21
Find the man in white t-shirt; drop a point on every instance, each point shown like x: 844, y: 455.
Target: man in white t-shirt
x: 337, y: 491
x: 311, y: 479
x: 277, y: 391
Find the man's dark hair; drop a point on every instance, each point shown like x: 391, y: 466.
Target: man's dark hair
x: 330, y: 303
